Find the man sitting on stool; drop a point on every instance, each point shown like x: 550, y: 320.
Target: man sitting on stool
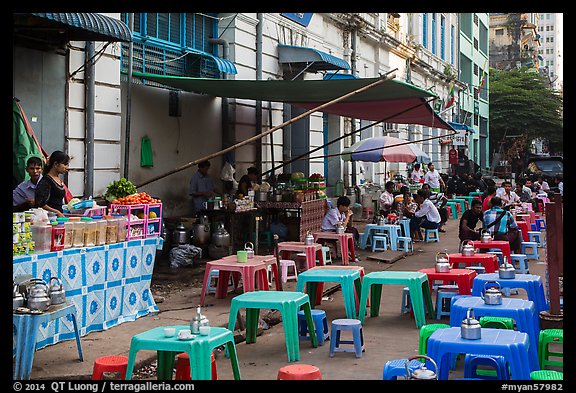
x: 427, y: 215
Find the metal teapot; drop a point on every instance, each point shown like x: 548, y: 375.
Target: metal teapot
x: 485, y: 237
x: 56, y: 291
x: 492, y: 295
x: 198, y: 321
x: 38, y: 297
x: 180, y: 236
x: 470, y: 328
x: 422, y: 372
x: 442, y: 263
x: 340, y: 228
x: 221, y: 237
x: 467, y: 248
x: 309, y: 239
x: 381, y: 220
x: 506, y: 270
x: 249, y: 248
x: 17, y: 298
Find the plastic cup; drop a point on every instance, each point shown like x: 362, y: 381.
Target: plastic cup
x: 204, y: 330
x: 169, y: 332
x: 242, y: 256
x: 184, y: 333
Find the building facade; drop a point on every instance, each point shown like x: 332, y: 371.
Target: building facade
x: 550, y: 29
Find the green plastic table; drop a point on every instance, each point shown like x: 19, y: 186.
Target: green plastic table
x: 415, y: 281
x: 475, y: 193
x: 199, y: 351
x: 468, y: 198
x: 347, y: 278
x: 453, y: 208
x: 462, y: 203
x: 288, y: 303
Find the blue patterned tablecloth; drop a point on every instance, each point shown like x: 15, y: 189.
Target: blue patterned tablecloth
x: 108, y: 284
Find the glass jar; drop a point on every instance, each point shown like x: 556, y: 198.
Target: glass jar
x: 122, y: 223
x: 100, y: 230
x: 78, y: 240
x: 68, y: 234
x: 42, y: 237
x: 89, y: 232
x: 111, y: 230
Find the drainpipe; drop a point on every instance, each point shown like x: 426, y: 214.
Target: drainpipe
x: 353, y: 121
x: 90, y: 85
x: 258, y: 119
x: 128, y: 98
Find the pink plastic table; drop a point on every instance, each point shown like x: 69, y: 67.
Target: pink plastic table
x: 503, y: 245
x: 464, y: 278
x: 248, y: 270
x: 346, y: 241
x: 489, y: 261
x: 311, y: 251
x: 320, y: 287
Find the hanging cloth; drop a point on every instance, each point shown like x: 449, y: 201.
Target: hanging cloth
x: 146, y: 153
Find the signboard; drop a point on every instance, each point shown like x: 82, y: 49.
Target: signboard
x: 459, y: 139
x: 300, y: 18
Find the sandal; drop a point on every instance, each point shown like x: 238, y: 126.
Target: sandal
x: 442, y: 230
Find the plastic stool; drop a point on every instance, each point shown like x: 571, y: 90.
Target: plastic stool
x: 265, y: 238
x: 522, y: 263
x: 320, y: 324
x: 327, y: 256
x: 441, y: 307
x: 448, y: 210
x: 489, y: 321
x: 379, y: 239
x: 428, y: 236
x: 396, y: 368
x: 425, y: 333
x: 110, y: 364
x: 532, y: 247
x: 546, y: 375
x: 405, y: 243
x: 299, y: 372
x: 284, y: 265
x: 547, y: 337
x: 536, y: 236
x: 540, y: 224
x: 183, y: 367
x: 354, y: 325
x: 471, y: 361
x: 212, y: 280
x: 477, y: 269
x: 405, y: 227
x: 499, y: 254
x: 406, y: 303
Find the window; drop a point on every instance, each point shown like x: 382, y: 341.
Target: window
x: 476, y: 43
x: 551, y: 27
x: 547, y: 16
x: 434, y: 33
x: 475, y: 69
x: 540, y: 28
x: 476, y: 19
x: 442, y: 40
x: 499, y: 32
x: 425, y: 30
x: 452, y: 44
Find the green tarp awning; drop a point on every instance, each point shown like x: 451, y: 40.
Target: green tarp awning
x: 395, y: 101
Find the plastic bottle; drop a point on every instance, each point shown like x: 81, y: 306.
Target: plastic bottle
x: 111, y: 230
x: 89, y: 238
x: 68, y: 234
x: 42, y: 237
x: 122, y: 224
x: 78, y: 240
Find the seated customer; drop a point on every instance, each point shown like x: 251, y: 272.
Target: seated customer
x: 427, y: 215
x: 341, y: 214
x: 439, y: 200
x: 501, y: 225
x: 469, y: 220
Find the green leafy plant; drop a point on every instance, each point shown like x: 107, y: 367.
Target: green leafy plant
x: 119, y: 189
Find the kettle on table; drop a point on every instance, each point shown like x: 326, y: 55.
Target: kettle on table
x: 492, y: 295
x: 470, y: 328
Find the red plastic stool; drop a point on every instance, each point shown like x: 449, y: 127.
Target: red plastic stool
x: 109, y: 364
x: 299, y: 372
x: 183, y: 367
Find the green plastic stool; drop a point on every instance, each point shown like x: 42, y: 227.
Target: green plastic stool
x: 425, y: 333
x: 496, y: 322
x: 546, y: 375
x: 547, y: 337
x: 288, y: 303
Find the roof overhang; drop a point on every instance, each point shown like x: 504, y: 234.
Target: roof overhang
x: 309, y: 59
x: 461, y: 126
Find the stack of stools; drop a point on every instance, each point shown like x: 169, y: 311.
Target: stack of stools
x: 536, y: 237
x: 109, y: 364
x: 397, y: 368
x: 545, y: 339
x: 444, y: 296
x: 284, y: 265
x: 183, y: 367
x: 299, y: 372
x: 353, y: 325
x: 320, y: 324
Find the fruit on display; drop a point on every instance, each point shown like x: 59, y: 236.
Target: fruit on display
x: 316, y: 177
x: 140, y: 198
x: 152, y: 215
x: 297, y: 176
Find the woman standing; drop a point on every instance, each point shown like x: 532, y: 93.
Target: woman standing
x: 50, y: 190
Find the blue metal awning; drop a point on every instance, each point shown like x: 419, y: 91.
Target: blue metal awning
x: 311, y: 59
x: 460, y: 126
x: 224, y: 65
x: 74, y: 26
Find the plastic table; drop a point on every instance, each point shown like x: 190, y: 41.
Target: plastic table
x: 523, y: 225
x: 320, y: 285
x: 346, y: 241
x: 489, y: 261
x: 513, y: 345
x: 503, y: 245
x: 417, y: 283
x: 531, y: 283
x: 467, y: 198
x: 199, y: 351
x: 248, y: 270
x: 462, y: 277
x: 476, y: 194
x: 462, y: 203
x: 288, y: 303
x: 522, y: 311
x: 349, y: 279
x: 27, y: 326
x: 311, y: 251
x: 392, y: 230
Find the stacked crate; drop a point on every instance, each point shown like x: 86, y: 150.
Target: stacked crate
x: 142, y: 227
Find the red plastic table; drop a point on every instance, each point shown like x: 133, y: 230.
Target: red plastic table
x: 320, y: 287
x: 523, y: 225
x: 503, y: 245
x: 311, y: 251
x: 464, y: 278
x: 346, y: 241
x: 489, y: 261
x: 257, y: 265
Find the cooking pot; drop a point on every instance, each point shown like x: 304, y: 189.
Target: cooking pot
x: 17, y: 298
x: 442, y: 263
x: 180, y: 235
x: 422, y: 372
x: 485, y: 237
x: 492, y: 295
x: 506, y: 271
x: 249, y: 248
x: 261, y: 196
x: 276, y: 197
x: 38, y: 298
x: 56, y: 291
x: 201, y: 233
x: 470, y: 328
x: 467, y: 248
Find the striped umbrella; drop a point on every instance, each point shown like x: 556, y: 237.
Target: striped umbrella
x: 384, y: 148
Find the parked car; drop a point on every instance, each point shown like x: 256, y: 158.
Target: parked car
x: 546, y: 166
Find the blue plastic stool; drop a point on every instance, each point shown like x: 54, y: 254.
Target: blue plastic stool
x: 405, y: 226
x: 499, y: 254
x: 405, y: 243
x: 472, y: 361
x: 379, y: 239
x: 396, y: 368
x: 354, y: 325
x: 428, y: 238
x: 536, y: 236
x: 212, y: 280
x: 522, y: 263
x: 533, y: 227
x: 540, y: 224
x: 530, y: 249
x: 441, y: 307
x: 320, y: 323
x: 327, y: 256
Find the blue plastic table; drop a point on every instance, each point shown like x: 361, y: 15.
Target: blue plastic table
x: 27, y: 326
x: 522, y: 311
x: 199, y: 351
x: 531, y: 283
x: 347, y: 278
x: 392, y: 230
x: 511, y: 344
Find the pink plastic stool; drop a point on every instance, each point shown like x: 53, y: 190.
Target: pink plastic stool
x: 284, y: 265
